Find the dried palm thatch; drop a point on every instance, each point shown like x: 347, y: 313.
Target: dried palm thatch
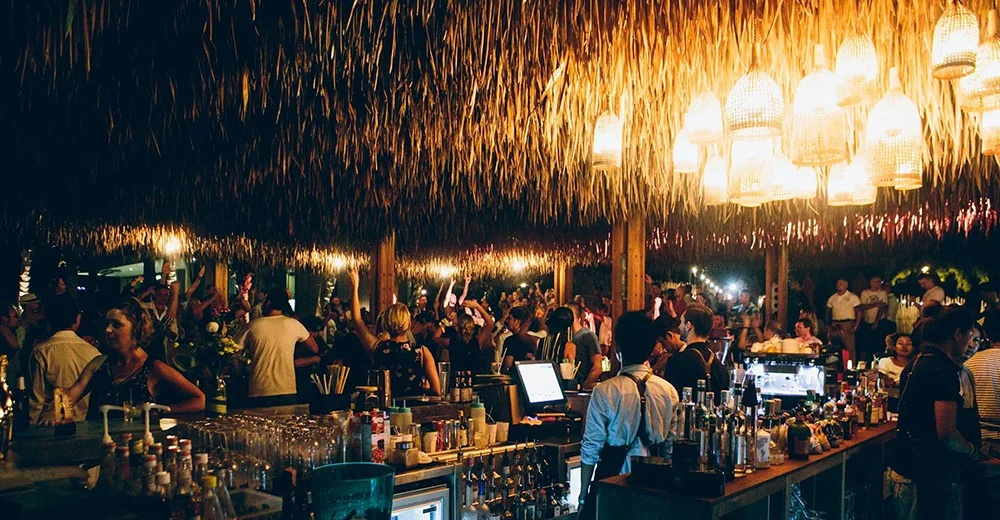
x: 304, y: 122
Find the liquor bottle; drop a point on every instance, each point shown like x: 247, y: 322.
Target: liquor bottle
x: 530, y: 504
x: 702, y: 388
x: 714, y: 459
x: 149, y: 476
x: 750, y: 401
x: 184, y: 503
x: 6, y: 411
x: 469, y: 511
x: 200, y: 467
x: 689, y: 414
x: 762, y: 457
x: 134, y: 484
x: 482, y: 510
x: 463, y: 430
x: 107, y: 476
x: 737, y: 438
x: 702, y: 431
x: 210, y: 507
x: 849, y: 415
x: 163, y: 498
x: 366, y: 437
x: 466, y: 393
x: 799, y: 436
x: 225, y: 499
x: 542, y: 506
x: 496, y: 502
x: 20, y: 395
x: 555, y: 507
x: 122, y: 471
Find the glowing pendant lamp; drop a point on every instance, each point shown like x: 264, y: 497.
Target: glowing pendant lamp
x: 607, y: 153
x: 819, y: 129
x: 754, y: 107
x: 956, y: 39
x: 714, y: 184
x: 980, y: 90
x: 751, y: 167
x: 686, y: 155
x: 895, y: 139
x: 782, y: 177
x: 864, y: 191
x: 703, y: 119
x: 857, y: 71
x: 840, y: 186
x: 989, y: 132
x: 804, y: 183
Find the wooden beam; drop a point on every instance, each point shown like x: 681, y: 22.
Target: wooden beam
x: 770, y: 272
x: 635, y: 269
x: 220, y: 277
x: 783, y: 284
x: 617, y: 270
x: 384, y: 274
x: 563, y: 276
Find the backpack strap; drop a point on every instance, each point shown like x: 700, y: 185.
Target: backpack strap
x: 641, y: 386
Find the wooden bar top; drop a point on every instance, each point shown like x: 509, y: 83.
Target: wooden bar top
x: 797, y: 470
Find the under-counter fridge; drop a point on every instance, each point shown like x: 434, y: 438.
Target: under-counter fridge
x: 433, y: 503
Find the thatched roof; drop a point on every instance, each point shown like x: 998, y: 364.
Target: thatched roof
x: 326, y: 122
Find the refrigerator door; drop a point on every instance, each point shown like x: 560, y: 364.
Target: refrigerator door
x: 422, y: 504
x: 573, y: 476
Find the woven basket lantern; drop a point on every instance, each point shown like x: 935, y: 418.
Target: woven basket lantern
x: 782, y: 177
x: 857, y: 71
x: 980, y: 91
x: 839, y: 186
x: 819, y: 128
x: 864, y: 191
x: 895, y: 140
x: 714, y: 184
x: 751, y: 168
x: 989, y: 132
x: 703, y: 119
x: 804, y: 183
x: 754, y: 108
x: 686, y: 155
x: 956, y: 39
x: 607, y: 142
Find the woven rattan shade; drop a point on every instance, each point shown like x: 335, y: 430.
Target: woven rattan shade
x: 754, y: 108
x: 857, y: 71
x: 703, y: 119
x: 714, y: 184
x: 819, y: 128
x: 607, y: 142
x: 686, y: 155
x: 750, y: 170
x: 804, y: 183
x: 980, y: 90
x: 895, y: 140
x: 956, y: 39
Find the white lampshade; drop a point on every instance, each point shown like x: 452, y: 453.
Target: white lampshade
x: 607, y: 142
x: 804, y: 183
x: 713, y: 183
x: 989, y: 132
x: 857, y: 71
x: 980, y: 90
x: 754, y: 107
x: 819, y: 128
x: 895, y: 139
x: 840, y: 186
x: 703, y: 119
x: 782, y: 177
x: 956, y: 39
x: 751, y: 168
x: 686, y: 155
x: 859, y: 172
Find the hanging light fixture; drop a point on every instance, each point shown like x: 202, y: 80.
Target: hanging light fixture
x: 956, y: 39
x: 989, y: 132
x: 686, y: 155
x: 819, y: 129
x: 840, y: 186
x: 895, y: 139
x: 703, y: 119
x: 804, y: 183
x: 713, y: 183
x: 864, y: 191
x: 754, y: 108
x: 782, y: 177
x: 980, y: 90
x: 857, y: 71
x: 607, y: 142
x: 751, y: 167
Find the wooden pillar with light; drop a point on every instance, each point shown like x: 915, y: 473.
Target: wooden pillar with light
x: 783, y: 284
x: 220, y: 278
x: 383, y: 274
x: 770, y: 272
x: 563, y: 279
x: 628, y: 266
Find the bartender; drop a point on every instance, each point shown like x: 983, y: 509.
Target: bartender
x: 697, y: 361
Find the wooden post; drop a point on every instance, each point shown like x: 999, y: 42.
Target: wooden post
x: 220, y: 277
x: 783, y: 285
x: 383, y: 274
x: 635, y: 269
x: 563, y: 277
x: 617, y: 270
x: 770, y: 301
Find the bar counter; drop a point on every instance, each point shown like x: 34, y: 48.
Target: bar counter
x: 823, y: 480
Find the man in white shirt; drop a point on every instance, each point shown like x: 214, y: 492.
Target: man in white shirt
x: 270, y: 343
x: 871, y: 332
x: 843, y: 316
x: 612, y: 434
x: 933, y: 292
x: 58, y: 361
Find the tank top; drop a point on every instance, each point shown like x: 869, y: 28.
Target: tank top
x: 134, y: 389
x: 404, y: 363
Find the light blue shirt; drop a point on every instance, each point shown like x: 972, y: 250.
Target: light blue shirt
x: 613, y: 415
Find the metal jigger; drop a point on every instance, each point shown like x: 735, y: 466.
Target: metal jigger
x: 146, y: 407
x: 105, y: 408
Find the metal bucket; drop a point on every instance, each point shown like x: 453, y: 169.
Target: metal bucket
x: 355, y: 489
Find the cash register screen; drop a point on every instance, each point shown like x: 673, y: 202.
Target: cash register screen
x: 540, y: 383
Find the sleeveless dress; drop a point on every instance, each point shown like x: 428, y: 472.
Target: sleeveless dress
x: 134, y: 389
x: 404, y: 362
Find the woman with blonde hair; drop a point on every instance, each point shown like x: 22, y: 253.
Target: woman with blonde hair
x: 411, y: 367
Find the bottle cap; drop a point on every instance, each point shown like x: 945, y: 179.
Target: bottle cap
x: 201, y: 458
x: 209, y: 481
x: 150, y: 461
x: 478, y: 405
x: 122, y: 450
x: 125, y: 438
x: 405, y: 409
x: 138, y: 446
x: 162, y: 478
x: 156, y: 448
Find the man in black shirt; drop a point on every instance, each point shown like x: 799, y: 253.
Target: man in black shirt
x: 697, y: 361
x: 515, y: 346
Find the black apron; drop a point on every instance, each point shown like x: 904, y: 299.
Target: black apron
x: 612, y: 458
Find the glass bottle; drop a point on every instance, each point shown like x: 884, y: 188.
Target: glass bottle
x: 689, y: 414
x: 482, y: 510
x: 6, y: 411
x: 463, y: 430
x: 221, y: 491
x: 123, y: 472
x: 469, y: 511
x: 149, y: 476
x: 210, y: 507
x: 106, y: 478
x: 737, y: 430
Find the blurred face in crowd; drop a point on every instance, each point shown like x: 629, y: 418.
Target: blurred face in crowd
x: 161, y: 296
x: 975, y: 337
x: 745, y: 298
x: 904, y: 346
x: 926, y: 283
x: 801, y: 330
x: 11, y: 320
x: 841, y: 286
x: 422, y: 301
x: 875, y: 284
x: 679, y: 292
x: 118, y: 331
